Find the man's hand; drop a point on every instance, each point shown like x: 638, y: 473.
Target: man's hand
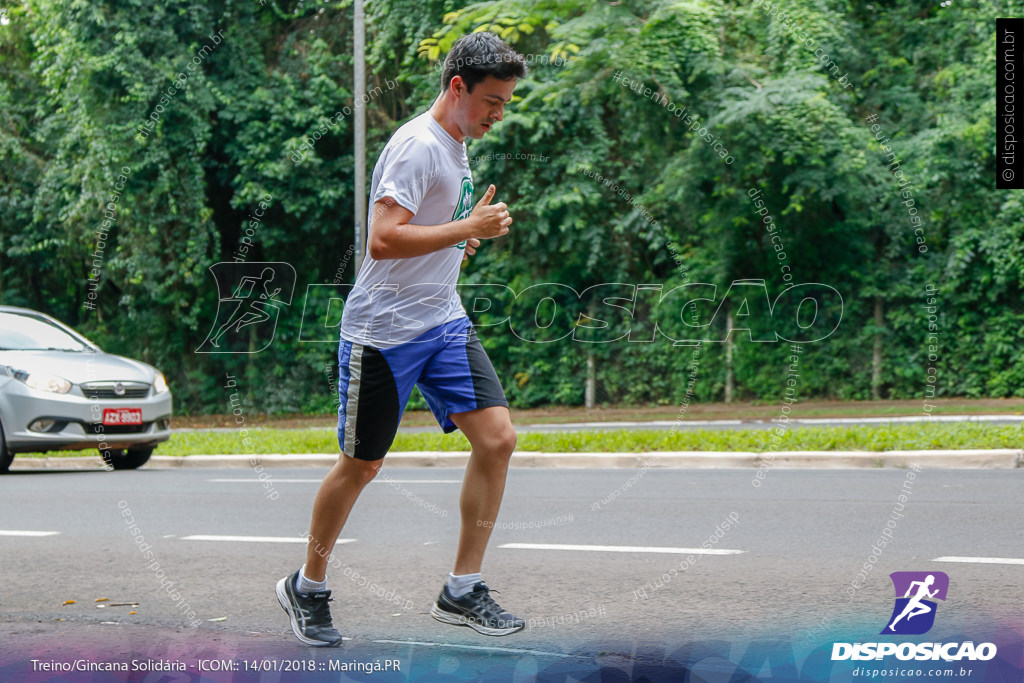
x: 492, y: 219
x: 471, y: 244
x: 392, y: 236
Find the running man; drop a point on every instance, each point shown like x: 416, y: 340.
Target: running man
x: 915, y: 607
x: 404, y: 325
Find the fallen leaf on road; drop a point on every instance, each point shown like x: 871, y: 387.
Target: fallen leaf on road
x: 218, y: 619
x: 102, y: 599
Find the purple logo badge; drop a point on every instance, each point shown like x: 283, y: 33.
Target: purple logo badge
x: 916, y: 592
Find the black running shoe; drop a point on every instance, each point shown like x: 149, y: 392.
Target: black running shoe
x: 309, y: 613
x: 477, y: 610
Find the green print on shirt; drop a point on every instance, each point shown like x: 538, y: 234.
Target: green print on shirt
x: 465, y: 205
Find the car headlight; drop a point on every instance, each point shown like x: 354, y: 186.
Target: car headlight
x: 159, y: 383
x: 44, y: 381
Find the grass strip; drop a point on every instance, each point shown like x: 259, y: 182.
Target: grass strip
x: 934, y: 436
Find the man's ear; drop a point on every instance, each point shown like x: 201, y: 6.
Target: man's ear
x: 457, y: 86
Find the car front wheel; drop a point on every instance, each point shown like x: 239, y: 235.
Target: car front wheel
x: 130, y: 459
x: 6, y: 457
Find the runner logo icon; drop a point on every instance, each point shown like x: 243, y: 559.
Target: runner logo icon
x: 916, y: 592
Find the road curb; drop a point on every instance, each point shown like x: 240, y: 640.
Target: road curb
x: 1005, y: 458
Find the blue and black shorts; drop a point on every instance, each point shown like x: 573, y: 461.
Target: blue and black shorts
x: 449, y: 365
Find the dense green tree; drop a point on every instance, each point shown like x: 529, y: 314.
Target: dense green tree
x: 611, y: 157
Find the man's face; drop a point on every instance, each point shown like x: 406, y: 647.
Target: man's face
x: 477, y: 111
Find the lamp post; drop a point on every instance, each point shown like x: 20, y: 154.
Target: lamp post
x: 359, y: 49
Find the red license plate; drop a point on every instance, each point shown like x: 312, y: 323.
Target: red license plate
x: 122, y: 416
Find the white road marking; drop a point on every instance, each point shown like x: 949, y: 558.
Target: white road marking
x: 622, y: 548
x: 476, y: 647
x: 272, y: 480
x: 256, y: 539
x: 27, y: 533
x: 980, y: 560
x: 317, y: 481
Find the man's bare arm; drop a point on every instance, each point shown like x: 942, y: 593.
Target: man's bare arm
x: 393, y: 237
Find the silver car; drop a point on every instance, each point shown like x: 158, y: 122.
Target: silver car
x: 59, y: 391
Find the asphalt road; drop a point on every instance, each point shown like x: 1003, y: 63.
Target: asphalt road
x: 797, y: 542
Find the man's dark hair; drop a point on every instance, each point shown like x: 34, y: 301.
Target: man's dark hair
x: 478, y: 55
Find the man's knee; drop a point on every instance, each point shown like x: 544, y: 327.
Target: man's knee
x: 362, y: 471
x: 509, y: 440
x: 499, y: 444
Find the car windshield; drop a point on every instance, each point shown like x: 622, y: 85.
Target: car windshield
x: 27, y: 333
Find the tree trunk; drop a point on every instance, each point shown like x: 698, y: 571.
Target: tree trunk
x: 591, y: 387
x: 730, y: 379
x: 876, y: 356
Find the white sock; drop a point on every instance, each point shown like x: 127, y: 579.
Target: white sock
x: 305, y: 585
x: 462, y: 584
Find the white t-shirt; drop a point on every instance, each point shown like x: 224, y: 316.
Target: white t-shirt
x: 394, y: 301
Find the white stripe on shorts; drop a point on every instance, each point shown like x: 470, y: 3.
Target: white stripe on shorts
x: 355, y: 372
